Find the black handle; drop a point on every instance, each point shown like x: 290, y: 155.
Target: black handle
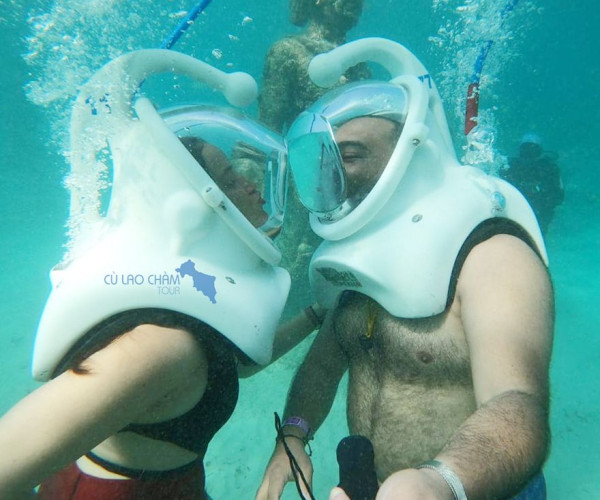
x: 357, y: 468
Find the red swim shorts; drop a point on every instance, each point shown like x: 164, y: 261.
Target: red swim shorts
x: 72, y: 484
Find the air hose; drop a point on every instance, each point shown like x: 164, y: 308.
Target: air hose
x: 472, y: 107
x: 185, y: 23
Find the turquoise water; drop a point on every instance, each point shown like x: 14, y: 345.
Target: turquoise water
x: 541, y: 75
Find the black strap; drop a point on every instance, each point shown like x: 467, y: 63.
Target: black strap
x: 141, y: 474
x: 293, y: 462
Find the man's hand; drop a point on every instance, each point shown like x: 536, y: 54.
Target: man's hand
x: 413, y: 484
x: 410, y: 484
x: 279, y: 472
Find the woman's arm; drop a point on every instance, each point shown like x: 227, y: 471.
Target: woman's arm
x: 289, y: 335
x: 72, y: 413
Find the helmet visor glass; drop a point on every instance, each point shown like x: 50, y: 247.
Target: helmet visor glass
x: 341, y: 145
x: 246, y: 160
x: 318, y: 167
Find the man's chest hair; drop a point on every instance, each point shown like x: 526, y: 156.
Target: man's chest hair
x: 433, y: 347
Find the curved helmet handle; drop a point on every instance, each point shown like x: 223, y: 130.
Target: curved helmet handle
x: 105, y: 103
x: 119, y: 80
x: 326, y: 70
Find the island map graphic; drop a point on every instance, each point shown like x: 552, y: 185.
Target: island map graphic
x: 204, y: 283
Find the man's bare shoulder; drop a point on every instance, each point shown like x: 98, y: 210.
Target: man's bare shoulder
x: 504, y: 255
x: 506, y: 305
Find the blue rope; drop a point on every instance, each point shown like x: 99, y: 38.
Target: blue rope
x: 184, y: 24
x: 477, y: 70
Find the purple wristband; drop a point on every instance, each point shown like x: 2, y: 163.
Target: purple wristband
x: 298, y: 422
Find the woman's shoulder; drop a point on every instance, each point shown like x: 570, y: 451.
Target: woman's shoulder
x: 150, y: 355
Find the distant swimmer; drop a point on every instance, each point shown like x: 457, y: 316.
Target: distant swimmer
x: 536, y: 174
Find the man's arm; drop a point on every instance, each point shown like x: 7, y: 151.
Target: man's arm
x: 129, y: 379
x: 507, y: 310
x: 314, y: 387
x: 310, y: 397
x: 289, y: 335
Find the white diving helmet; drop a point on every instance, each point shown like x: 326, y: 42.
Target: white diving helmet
x: 195, y: 196
x: 399, y: 239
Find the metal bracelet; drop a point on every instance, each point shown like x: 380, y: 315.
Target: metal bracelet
x: 448, y: 475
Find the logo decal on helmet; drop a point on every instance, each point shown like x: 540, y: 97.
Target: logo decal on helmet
x: 204, y: 283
